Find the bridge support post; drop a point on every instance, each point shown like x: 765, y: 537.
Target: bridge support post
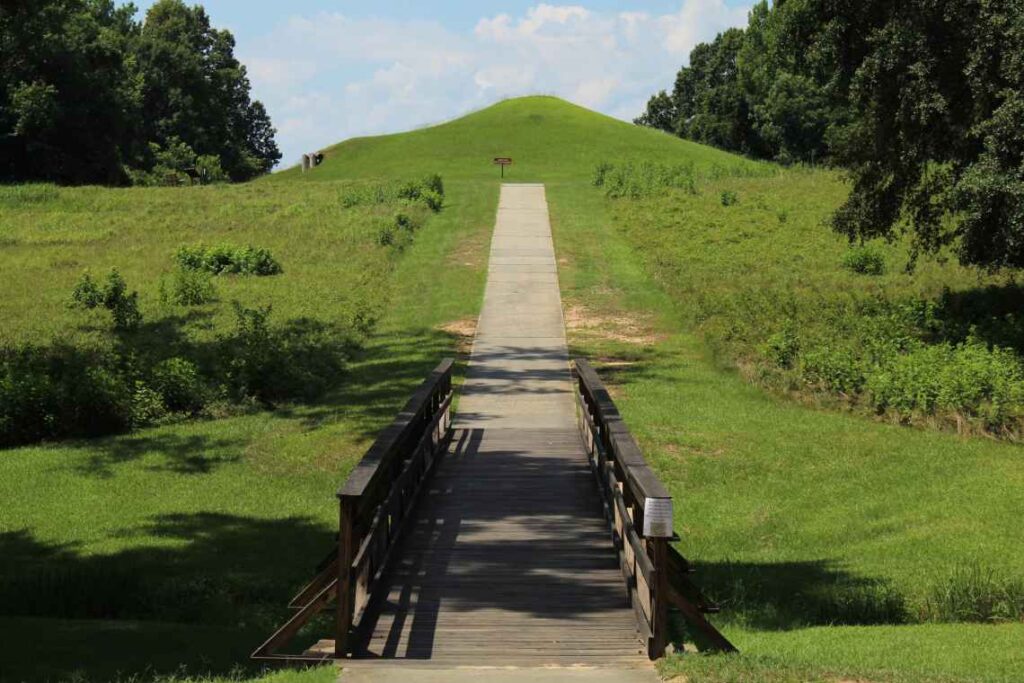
x: 346, y: 547
x: 659, y: 619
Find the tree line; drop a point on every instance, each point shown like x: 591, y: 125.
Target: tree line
x: 89, y: 94
x: 922, y: 101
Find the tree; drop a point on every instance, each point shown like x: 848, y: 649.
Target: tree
x: 87, y: 93
x: 195, y: 90
x: 935, y: 147
x: 68, y: 98
x: 660, y: 113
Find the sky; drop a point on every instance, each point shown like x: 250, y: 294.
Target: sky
x: 330, y: 70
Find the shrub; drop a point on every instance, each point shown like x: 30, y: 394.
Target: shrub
x: 268, y: 365
x: 189, y: 288
x: 114, y: 296
x: 435, y: 183
x: 147, y: 405
x: 782, y: 347
x: 834, y: 369
x: 180, y: 385
x: 967, y: 378
x: 61, y: 391
x: 433, y: 200
x: 864, y: 260
x: 729, y: 198
x: 225, y: 258
x: 428, y: 191
x: 601, y: 172
x: 386, y: 235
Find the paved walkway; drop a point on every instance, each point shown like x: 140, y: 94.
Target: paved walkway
x: 509, y: 563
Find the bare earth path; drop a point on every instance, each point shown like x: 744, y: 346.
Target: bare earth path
x: 510, y: 563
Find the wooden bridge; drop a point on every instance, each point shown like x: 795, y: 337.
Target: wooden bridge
x: 525, y: 528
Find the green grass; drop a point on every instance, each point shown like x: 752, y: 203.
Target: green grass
x: 800, y: 519
x: 814, y: 527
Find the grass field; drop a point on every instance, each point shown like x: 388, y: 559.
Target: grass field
x: 833, y: 539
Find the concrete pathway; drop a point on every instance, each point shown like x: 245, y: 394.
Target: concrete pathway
x: 509, y: 564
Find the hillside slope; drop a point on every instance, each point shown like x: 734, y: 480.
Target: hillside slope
x: 548, y: 139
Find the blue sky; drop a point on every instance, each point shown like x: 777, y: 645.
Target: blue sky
x: 332, y: 70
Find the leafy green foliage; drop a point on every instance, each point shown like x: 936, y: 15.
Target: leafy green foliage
x: 113, y: 296
x: 269, y: 365
x: 189, y: 288
x: 865, y: 260
x: 228, y: 259
x: 729, y: 197
x: 180, y: 385
x: 88, y: 94
x: 428, y: 191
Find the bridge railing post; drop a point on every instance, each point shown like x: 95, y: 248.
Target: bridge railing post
x: 346, y: 552
x: 659, y: 597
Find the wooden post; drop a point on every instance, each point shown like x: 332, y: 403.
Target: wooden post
x: 659, y: 627
x: 346, y: 549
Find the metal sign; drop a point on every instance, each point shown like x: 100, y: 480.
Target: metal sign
x: 503, y: 162
x: 658, y: 517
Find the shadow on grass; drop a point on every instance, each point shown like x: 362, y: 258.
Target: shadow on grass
x: 198, y: 595
x: 992, y: 314
x: 787, y: 595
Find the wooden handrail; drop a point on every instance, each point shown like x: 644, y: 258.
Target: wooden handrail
x: 376, y: 502
x: 639, y: 512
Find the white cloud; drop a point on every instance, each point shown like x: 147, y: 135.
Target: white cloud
x: 327, y: 77
x: 697, y: 21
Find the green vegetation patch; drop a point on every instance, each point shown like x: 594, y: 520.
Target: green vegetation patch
x: 228, y: 259
x: 799, y: 311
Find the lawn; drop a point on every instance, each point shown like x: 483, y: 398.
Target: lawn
x: 174, y: 549
x: 836, y: 541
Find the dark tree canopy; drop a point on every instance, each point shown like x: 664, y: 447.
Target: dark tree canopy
x: 90, y: 95
x: 920, y: 100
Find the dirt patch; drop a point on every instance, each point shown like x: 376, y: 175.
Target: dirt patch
x: 625, y: 328
x: 464, y: 332
x: 471, y: 253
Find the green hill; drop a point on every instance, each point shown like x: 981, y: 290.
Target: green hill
x: 548, y: 139
x: 842, y: 543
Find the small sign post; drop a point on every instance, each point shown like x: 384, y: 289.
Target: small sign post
x: 658, y: 517
x: 503, y: 162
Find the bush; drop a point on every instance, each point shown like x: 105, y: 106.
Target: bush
x: 433, y: 200
x: 226, y: 258
x: 729, y: 198
x: 114, y: 296
x: 968, y: 379
x: 180, y: 385
x: 189, y: 288
x: 147, y: 405
x: 833, y: 369
x: 61, y: 391
x: 864, y: 260
x: 299, y: 361
x: 428, y: 191
x: 783, y: 346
